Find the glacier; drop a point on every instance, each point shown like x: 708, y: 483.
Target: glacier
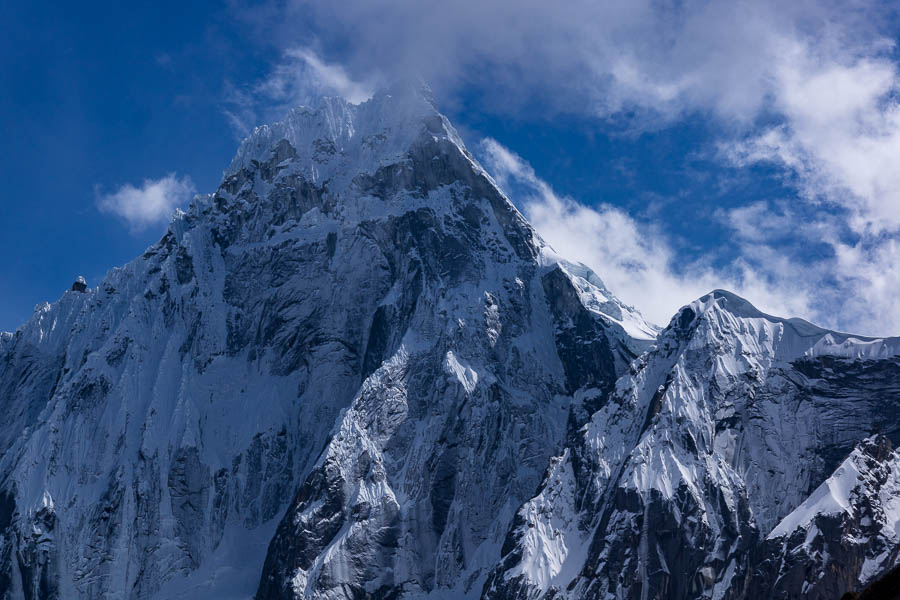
x: 356, y: 371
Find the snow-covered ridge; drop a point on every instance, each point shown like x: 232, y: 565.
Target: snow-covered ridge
x: 849, y: 527
x: 785, y: 339
x: 597, y: 298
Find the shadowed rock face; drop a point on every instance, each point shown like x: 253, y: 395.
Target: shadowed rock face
x: 886, y: 587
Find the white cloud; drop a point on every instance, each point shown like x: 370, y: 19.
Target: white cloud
x: 870, y: 274
x: 840, y: 134
x: 848, y: 286
x: 153, y: 202
x: 848, y: 278
x: 300, y: 78
x: 635, y: 259
x: 601, y: 56
x: 323, y: 77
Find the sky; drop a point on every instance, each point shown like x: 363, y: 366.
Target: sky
x: 673, y: 147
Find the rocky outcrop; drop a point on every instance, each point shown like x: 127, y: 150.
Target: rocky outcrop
x: 886, y: 587
x: 844, y: 534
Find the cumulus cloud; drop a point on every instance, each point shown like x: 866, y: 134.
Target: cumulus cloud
x: 300, y: 78
x: 150, y: 203
x: 635, y: 259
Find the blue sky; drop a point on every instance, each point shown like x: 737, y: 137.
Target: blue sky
x: 673, y: 147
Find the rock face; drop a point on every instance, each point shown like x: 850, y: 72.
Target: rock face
x: 887, y: 587
x: 355, y: 371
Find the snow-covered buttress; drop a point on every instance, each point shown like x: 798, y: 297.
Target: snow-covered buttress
x: 355, y: 371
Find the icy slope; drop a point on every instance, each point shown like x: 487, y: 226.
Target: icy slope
x: 844, y: 535
x: 358, y: 284
x: 716, y: 436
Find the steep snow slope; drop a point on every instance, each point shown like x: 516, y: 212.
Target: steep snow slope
x: 844, y: 535
x: 357, y: 284
x: 714, y: 437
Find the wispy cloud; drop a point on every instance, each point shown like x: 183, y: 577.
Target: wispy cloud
x: 152, y: 202
x: 847, y: 286
x: 634, y: 258
x: 790, y: 261
x: 605, y: 57
x: 300, y: 78
x: 848, y: 277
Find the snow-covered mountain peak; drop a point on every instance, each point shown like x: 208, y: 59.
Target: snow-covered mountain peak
x: 725, y: 316
x: 335, y: 137
x: 740, y: 307
x: 340, y: 164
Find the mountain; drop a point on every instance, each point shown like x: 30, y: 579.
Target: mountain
x: 357, y: 283
x: 699, y: 458
x: 355, y: 371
